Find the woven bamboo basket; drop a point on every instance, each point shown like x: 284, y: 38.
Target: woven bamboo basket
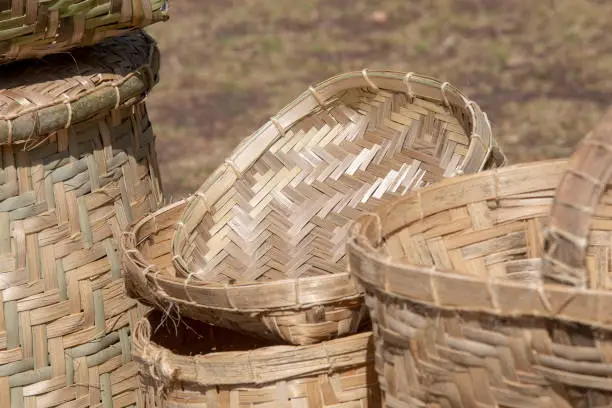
x: 494, y: 289
x: 264, y: 236
x: 181, y: 367
x: 35, y: 28
x: 77, y: 166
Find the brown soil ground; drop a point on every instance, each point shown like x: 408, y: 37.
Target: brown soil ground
x: 540, y: 69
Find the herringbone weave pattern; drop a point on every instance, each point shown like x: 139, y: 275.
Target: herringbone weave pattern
x: 183, y: 367
x: 469, y: 304
x: 65, y: 198
x: 35, y: 28
x: 287, y: 215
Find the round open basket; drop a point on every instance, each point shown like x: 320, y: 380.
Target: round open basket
x: 264, y: 236
x: 35, y: 28
x: 482, y: 294
x: 193, y: 364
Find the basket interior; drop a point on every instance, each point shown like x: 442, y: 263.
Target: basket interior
x: 493, y: 236
x: 41, y: 82
x: 153, y: 238
x: 287, y: 215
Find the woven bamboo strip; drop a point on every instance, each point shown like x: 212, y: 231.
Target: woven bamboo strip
x: 264, y: 237
x: 65, y: 198
x: 36, y: 28
x: 231, y: 370
x: 465, y: 308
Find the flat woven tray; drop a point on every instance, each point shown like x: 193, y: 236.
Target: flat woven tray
x: 65, y: 198
x: 482, y: 294
x: 35, y: 28
x: 264, y: 237
x: 202, y: 366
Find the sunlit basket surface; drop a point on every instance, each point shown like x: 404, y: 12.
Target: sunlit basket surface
x: 483, y: 294
x: 36, y: 28
x: 266, y: 232
x: 189, y: 363
x: 77, y: 167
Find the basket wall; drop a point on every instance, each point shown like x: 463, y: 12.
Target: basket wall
x: 35, y: 28
x: 246, y: 372
x: 65, y: 321
x: 461, y: 311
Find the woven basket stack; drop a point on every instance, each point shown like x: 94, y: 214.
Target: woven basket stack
x: 254, y: 262
x: 366, y: 247
x: 77, y: 168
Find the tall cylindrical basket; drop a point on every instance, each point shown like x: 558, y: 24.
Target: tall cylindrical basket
x: 77, y: 167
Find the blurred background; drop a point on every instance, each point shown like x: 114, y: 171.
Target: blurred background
x: 542, y: 70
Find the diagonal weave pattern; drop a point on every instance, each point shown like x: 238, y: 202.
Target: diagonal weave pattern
x: 462, y: 310
x: 36, y: 28
x: 265, y: 234
x: 65, y: 321
x: 222, y: 369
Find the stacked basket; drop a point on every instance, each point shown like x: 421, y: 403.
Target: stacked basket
x: 259, y: 249
x: 77, y: 167
x: 493, y: 289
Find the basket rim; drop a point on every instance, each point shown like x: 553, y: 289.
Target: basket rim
x: 233, y: 296
x: 501, y: 298
x: 61, y: 113
x: 481, y: 146
x: 205, y: 369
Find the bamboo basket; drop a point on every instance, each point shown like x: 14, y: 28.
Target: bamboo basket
x: 493, y: 289
x: 223, y: 369
x: 35, y: 28
x: 264, y: 236
x: 77, y: 166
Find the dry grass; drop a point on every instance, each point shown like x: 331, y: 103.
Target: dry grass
x: 540, y: 69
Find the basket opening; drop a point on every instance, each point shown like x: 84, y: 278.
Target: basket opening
x: 190, y: 337
x: 498, y: 239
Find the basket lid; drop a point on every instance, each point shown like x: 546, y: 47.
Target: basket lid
x: 39, y: 97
